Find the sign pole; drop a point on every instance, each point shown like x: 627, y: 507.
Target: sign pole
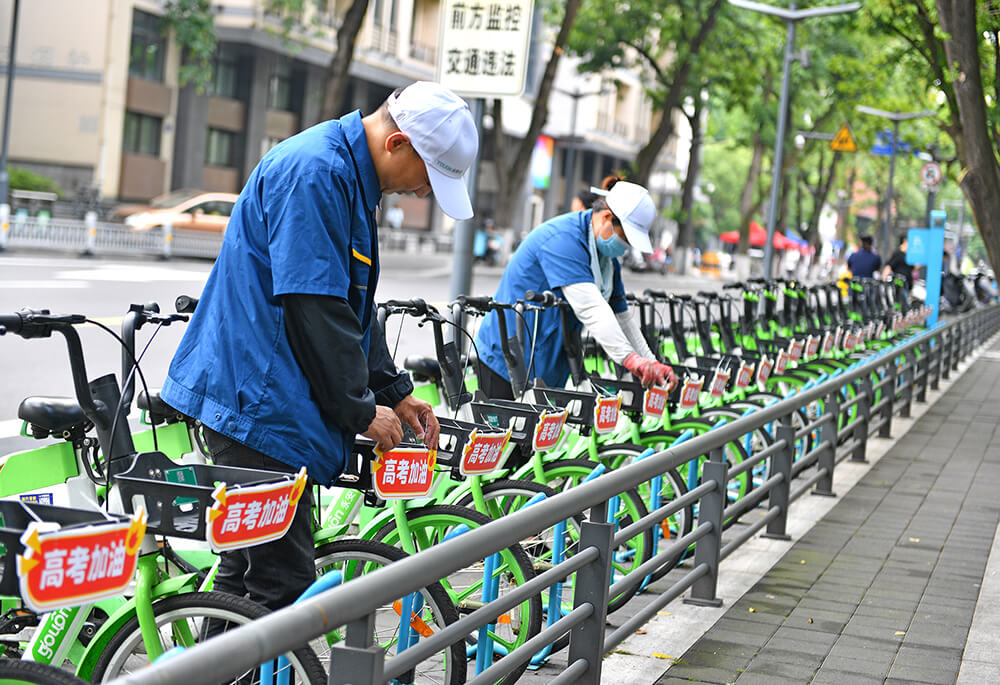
x: 465, y: 231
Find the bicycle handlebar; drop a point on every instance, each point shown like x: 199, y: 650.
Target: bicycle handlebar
x: 185, y: 304
x: 416, y: 306
x: 546, y: 298
x: 482, y: 303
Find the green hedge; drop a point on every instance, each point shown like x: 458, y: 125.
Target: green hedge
x: 22, y: 179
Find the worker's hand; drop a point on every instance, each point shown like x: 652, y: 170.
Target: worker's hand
x: 385, y: 429
x: 665, y: 376
x: 650, y: 372
x: 419, y: 416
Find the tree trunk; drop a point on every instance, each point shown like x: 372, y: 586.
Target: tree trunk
x: 646, y: 158
x: 748, y: 205
x: 819, y: 199
x: 518, y: 169
x: 337, y: 75
x: 981, y: 180
x: 685, y: 231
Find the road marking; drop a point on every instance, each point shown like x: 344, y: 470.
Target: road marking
x: 10, y: 428
x: 133, y: 274
x: 40, y: 285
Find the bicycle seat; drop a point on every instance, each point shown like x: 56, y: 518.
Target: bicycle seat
x: 53, y: 414
x: 158, y: 409
x: 424, y: 369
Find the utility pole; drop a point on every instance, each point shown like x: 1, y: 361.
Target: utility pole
x: 791, y: 17
x: 8, y: 98
x: 895, y: 118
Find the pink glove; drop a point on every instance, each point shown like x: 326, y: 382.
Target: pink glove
x: 641, y: 368
x: 664, y: 376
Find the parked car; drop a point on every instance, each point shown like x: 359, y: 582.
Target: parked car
x: 190, y: 210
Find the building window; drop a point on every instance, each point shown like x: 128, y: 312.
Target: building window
x: 279, y: 92
x: 225, y: 73
x: 220, y: 148
x: 147, y: 48
x: 142, y: 134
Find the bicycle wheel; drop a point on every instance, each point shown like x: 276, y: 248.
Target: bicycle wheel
x: 432, y: 524
x: 182, y: 620
x: 29, y: 673
x: 629, y: 555
x: 354, y: 558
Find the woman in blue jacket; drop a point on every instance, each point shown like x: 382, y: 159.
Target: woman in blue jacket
x: 576, y: 255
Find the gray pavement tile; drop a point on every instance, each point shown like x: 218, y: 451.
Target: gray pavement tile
x: 932, y: 635
x: 859, y: 667
x: 752, y: 678
x: 671, y: 680
x: 978, y: 672
x: 703, y: 673
x: 832, y: 676
x: 790, y: 634
x: 946, y: 674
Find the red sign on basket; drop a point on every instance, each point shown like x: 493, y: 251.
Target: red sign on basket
x: 764, y: 370
x: 745, y: 375
x: 606, y: 412
x: 827, y: 343
x: 404, y: 472
x: 795, y: 349
x: 244, y: 517
x: 484, y: 452
x: 548, y: 432
x: 850, y: 341
x: 654, y: 402
x: 812, y: 346
x: 719, y: 381
x: 691, y: 391
x: 782, y: 362
x: 78, y: 566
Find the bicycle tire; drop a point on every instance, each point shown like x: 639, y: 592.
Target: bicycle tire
x: 118, y: 656
x: 429, y: 525
x: 355, y: 557
x: 14, y: 672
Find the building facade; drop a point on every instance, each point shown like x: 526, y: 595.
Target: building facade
x: 98, y: 105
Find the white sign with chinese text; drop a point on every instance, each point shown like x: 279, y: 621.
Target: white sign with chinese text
x: 483, y: 50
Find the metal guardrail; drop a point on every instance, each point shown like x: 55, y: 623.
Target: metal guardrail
x: 902, y: 374
x: 93, y: 237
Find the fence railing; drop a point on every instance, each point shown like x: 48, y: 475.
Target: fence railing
x: 94, y: 237
x: 884, y: 384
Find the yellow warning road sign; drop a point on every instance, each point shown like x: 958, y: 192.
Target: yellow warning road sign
x: 843, y: 141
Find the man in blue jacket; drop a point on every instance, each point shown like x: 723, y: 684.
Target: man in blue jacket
x: 284, y: 362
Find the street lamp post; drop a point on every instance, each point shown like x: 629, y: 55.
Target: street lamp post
x: 570, y: 167
x: 791, y: 17
x: 895, y: 118
x: 4, y: 176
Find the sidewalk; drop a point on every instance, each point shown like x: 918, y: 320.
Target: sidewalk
x: 886, y: 586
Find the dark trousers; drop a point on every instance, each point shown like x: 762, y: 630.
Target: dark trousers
x: 494, y: 385
x: 276, y: 573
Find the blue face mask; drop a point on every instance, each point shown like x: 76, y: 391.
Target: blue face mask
x: 613, y: 247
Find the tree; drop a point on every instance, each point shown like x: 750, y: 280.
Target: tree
x: 663, y: 40
x: 511, y: 170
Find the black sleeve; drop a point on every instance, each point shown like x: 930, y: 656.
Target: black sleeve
x: 325, y: 336
x: 388, y: 383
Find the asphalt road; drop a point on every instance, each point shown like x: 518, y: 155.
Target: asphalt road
x: 103, y: 289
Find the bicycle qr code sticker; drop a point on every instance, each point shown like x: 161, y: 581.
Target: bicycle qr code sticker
x: 691, y: 391
x: 764, y: 369
x: 606, y: 411
x: 67, y: 568
x: 795, y: 350
x: 404, y: 472
x: 782, y: 362
x: 719, y: 382
x: 244, y: 517
x: 827, y: 343
x: 812, y: 346
x: 549, y: 430
x: 745, y: 375
x: 484, y: 452
x: 654, y: 402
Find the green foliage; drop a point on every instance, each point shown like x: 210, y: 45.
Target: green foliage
x: 194, y: 30
x: 22, y: 179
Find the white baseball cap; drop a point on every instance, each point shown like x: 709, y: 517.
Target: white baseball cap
x: 634, y: 208
x: 441, y: 130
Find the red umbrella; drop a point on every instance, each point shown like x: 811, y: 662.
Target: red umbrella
x: 758, y: 236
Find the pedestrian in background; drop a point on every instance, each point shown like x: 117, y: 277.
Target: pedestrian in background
x: 284, y: 362
x: 864, y: 263
x: 897, y: 266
